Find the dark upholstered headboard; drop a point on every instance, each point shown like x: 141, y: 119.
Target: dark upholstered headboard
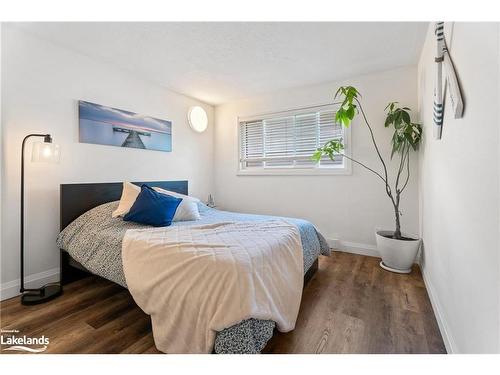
x: 76, y: 199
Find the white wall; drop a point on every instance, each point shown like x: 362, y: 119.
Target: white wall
x: 498, y: 169
x: 459, y: 192
x: 41, y: 84
x: 348, y: 208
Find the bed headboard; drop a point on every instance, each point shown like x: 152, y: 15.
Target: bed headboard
x: 77, y: 199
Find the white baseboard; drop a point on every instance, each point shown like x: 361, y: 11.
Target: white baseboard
x: 11, y: 288
x: 354, y: 247
x: 449, y: 342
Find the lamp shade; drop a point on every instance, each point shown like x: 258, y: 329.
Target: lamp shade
x: 198, y: 119
x: 45, y: 152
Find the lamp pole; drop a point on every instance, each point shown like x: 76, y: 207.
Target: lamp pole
x: 49, y: 291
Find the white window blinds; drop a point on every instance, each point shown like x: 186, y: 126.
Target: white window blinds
x: 288, y: 140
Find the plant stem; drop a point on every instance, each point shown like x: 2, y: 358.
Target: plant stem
x: 358, y: 162
x: 397, y: 232
x: 386, y: 179
x: 407, y: 171
x: 401, y: 165
x: 387, y: 187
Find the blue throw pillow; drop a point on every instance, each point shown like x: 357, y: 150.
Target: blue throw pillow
x: 153, y: 208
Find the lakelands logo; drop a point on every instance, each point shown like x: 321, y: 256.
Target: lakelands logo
x: 23, y: 343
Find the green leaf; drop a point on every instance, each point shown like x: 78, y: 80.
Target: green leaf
x: 339, y: 91
x: 388, y: 120
x: 317, y: 155
x: 350, y: 112
x: 406, y: 117
x: 338, y: 115
x: 347, y: 109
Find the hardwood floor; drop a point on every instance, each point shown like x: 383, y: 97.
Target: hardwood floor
x: 350, y: 306
x: 354, y: 306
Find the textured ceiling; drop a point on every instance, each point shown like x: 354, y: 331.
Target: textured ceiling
x: 218, y: 62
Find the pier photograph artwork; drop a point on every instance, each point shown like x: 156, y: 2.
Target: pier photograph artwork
x: 110, y: 126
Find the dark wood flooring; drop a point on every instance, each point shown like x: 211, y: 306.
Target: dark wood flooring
x: 351, y: 305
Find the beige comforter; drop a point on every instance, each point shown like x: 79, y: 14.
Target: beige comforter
x: 197, y: 280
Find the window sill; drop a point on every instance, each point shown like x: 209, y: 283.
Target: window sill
x: 296, y: 172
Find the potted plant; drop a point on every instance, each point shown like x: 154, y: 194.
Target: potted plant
x: 398, y: 250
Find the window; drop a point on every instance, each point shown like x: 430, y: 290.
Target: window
x: 283, y: 143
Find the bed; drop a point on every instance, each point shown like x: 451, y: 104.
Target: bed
x: 91, y: 242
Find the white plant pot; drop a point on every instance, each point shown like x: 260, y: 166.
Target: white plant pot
x: 397, y: 255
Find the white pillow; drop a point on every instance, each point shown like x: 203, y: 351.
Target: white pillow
x: 186, y: 211
x: 129, y: 195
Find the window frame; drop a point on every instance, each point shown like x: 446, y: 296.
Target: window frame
x: 344, y: 169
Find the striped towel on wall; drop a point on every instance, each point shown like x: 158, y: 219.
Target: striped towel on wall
x: 443, y: 61
x: 438, y: 89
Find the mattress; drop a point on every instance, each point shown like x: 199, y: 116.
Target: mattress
x: 95, y: 241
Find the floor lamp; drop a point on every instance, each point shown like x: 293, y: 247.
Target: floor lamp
x: 45, y: 151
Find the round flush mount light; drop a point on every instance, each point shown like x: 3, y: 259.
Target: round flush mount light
x: 198, y: 119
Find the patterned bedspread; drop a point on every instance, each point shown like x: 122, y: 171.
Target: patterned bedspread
x: 95, y: 241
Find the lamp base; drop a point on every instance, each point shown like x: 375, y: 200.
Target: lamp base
x: 41, y: 295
